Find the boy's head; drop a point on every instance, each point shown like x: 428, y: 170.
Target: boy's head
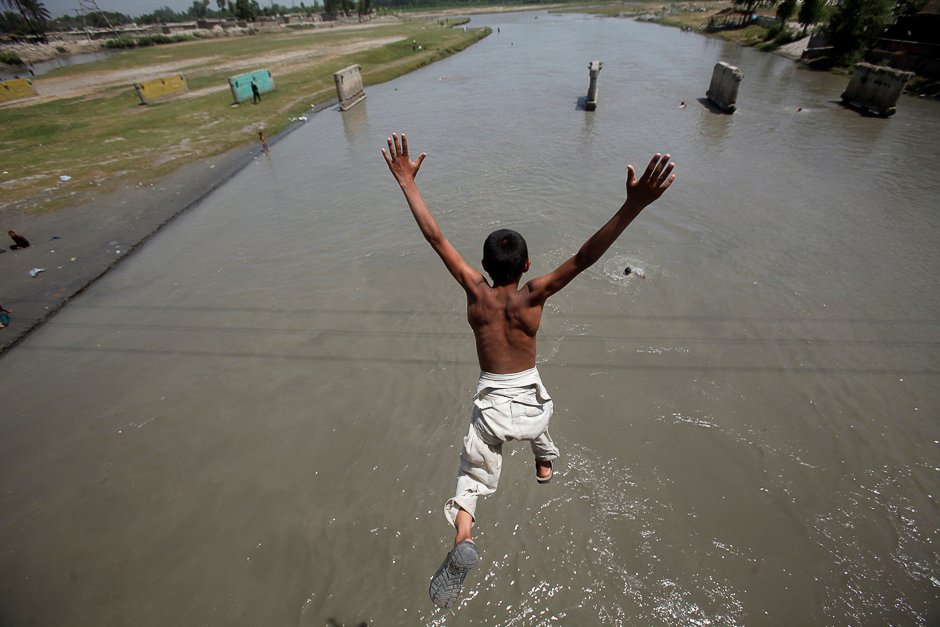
x: 505, y: 256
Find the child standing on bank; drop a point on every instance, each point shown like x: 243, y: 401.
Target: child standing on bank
x: 510, y: 403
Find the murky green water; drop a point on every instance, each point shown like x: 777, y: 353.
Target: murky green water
x: 255, y: 420
x: 43, y: 67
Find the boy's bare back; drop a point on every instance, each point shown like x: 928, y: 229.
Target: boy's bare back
x: 505, y: 318
x: 504, y: 323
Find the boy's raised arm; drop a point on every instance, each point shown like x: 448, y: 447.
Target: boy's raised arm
x: 640, y: 193
x: 404, y: 170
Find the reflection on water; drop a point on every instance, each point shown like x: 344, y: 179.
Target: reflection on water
x: 43, y: 67
x: 256, y: 418
x: 355, y: 121
x: 713, y: 124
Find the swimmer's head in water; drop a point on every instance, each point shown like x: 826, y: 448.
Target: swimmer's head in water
x: 505, y: 256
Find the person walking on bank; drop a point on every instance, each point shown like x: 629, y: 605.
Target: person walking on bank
x: 264, y: 143
x: 255, y: 93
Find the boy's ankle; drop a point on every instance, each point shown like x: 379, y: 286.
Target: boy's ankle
x: 543, y: 468
x: 460, y: 537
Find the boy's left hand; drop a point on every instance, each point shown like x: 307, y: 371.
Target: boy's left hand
x: 655, y: 181
x: 402, y: 167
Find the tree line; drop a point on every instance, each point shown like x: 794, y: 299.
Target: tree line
x: 851, y: 25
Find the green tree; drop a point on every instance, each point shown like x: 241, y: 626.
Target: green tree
x: 906, y: 8
x: 101, y: 20
x: 749, y: 6
x: 854, y: 25
x: 785, y: 11
x: 11, y: 22
x: 198, y: 10
x: 244, y: 10
x: 162, y: 15
x: 810, y: 13
x: 34, y: 13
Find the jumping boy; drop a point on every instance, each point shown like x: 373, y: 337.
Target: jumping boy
x: 510, y: 403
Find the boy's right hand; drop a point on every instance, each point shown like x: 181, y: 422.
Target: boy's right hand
x: 654, y: 182
x: 402, y: 167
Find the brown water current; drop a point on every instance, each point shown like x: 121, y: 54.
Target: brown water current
x: 255, y: 419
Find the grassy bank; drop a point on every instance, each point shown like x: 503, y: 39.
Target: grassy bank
x: 691, y: 15
x: 615, y: 9
x: 106, y: 138
x: 697, y: 21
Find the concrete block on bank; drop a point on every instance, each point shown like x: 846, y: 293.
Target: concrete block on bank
x: 594, y: 67
x: 159, y: 89
x: 723, y: 90
x: 349, y: 90
x: 16, y: 89
x: 241, y: 84
x: 875, y: 89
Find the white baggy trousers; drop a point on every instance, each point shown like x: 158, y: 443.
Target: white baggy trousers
x: 506, y: 407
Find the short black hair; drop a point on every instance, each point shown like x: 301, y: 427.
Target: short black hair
x: 504, y: 256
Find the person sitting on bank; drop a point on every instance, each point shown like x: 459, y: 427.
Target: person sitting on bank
x: 4, y: 317
x: 18, y: 240
x: 510, y: 403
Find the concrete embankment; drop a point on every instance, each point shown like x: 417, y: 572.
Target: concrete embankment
x: 76, y: 246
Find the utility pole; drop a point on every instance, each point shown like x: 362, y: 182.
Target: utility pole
x: 91, y: 6
x: 81, y: 16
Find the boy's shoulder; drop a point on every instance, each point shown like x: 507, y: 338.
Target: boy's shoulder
x: 500, y: 302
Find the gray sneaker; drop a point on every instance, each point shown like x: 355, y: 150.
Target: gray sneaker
x: 448, y: 580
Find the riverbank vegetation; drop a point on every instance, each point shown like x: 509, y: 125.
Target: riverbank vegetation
x: 105, y: 137
x: 10, y: 58
x: 146, y: 40
x: 30, y: 19
x: 845, y: 32
x: 689, y: 16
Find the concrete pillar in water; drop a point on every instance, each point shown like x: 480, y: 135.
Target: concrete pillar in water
x: 595, y: 69
x: 875, y: 88
x: 349, y: 90
x: 723, y: 90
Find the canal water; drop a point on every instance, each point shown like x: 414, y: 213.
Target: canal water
x: 8, y: 72
x: 255, y: 420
